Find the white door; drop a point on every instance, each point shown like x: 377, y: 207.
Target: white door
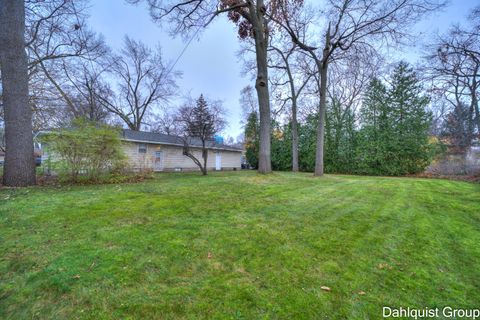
x: 158, y: 161
x: 218, y: 161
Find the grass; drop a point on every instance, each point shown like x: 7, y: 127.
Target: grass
x: 239, y: 246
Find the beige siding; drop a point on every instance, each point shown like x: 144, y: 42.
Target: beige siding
x: 173, y: 157
x: 231, y: 159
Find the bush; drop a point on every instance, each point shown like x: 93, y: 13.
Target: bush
x: 86, y: 151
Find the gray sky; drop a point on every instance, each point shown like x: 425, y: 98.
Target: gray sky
x: 210, y: 65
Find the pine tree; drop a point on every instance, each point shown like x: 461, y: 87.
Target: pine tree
x: 307, y: 143
x: 375, y: 118
x: 395, y: 123
x: 252, y: 139
x: 412, y: 121
x: 202, y: 122
x: 281, y: 146
x: 340, y: 138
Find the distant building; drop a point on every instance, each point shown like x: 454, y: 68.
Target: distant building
x: 161, y: 152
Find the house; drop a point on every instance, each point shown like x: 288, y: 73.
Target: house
x: 161, y: 152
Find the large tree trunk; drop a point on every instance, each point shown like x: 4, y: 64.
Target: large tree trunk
x: 322, y: 67
x: 294, y: 135
x: 319, y: 170
x: 19, y: 167
x: 261, y: 85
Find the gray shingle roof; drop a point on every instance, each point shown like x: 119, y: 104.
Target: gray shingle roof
x: 160, y: 138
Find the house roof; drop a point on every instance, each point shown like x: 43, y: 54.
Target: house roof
x: 160, y: 138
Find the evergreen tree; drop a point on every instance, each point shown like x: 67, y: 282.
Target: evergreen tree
x: 392, y: 139
x: 307, y: 143
x: 376, y: 121
x: 202, y: 122
x: 252, y: 139
x: 409, y: 144
x: 340, y: 139
x: 281, y: 146
x: 395, y: 123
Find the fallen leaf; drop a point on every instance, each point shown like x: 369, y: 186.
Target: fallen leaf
x: 324, y: 288
x: 209, y: 255
x: 384, y: 266
x: 362, y: 293
x: 77, y: 276
x: 241, y: 270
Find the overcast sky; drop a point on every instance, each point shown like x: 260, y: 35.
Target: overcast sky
x: 210, y: 65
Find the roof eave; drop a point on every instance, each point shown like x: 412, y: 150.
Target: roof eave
x: 177, y: 144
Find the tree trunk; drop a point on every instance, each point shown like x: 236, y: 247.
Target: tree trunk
x: 261, y: 85
x: 19, y: 169
x: 319, y: 170
x: 323, y: 69
x: 294, y: 136
x: 475, y: 98
x: 205, y: 157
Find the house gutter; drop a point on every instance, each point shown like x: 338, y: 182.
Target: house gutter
x: 178, y: 145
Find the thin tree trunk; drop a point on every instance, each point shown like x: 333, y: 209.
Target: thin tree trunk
x: 261, y: 85
x: 294, y: 136
x: 475, y: 99
x: 19, y: 169
x: 294, y: 94
x: 205, y: 157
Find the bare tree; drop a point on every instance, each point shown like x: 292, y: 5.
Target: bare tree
x: 251, y: 19
x: 351, y: 25
x: 453, y: 66
x: 248, y: 103
x: 87, y: 87
x: 144, y: 81
x: 19, y: 168
x: 348, y: 80
x: 164, y: 122
x: 200, y: 121
x: 288, y: 71
x: 61, y: 48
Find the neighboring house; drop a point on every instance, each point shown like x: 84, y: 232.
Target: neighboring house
x: 2, y: 157
x: 161, y: 152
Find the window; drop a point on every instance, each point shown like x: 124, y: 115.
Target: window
x: 142, y: 148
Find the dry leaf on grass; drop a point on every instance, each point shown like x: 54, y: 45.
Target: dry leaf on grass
x: 384, y: 266
x: 362, y: 293
x: 324, y: 288
x: 209, y: 255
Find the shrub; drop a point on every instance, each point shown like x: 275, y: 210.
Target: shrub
x: 87, y: 150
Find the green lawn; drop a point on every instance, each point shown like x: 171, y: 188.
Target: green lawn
x: 239, y: 246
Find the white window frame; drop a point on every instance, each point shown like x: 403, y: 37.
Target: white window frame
x: 142, y: 146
